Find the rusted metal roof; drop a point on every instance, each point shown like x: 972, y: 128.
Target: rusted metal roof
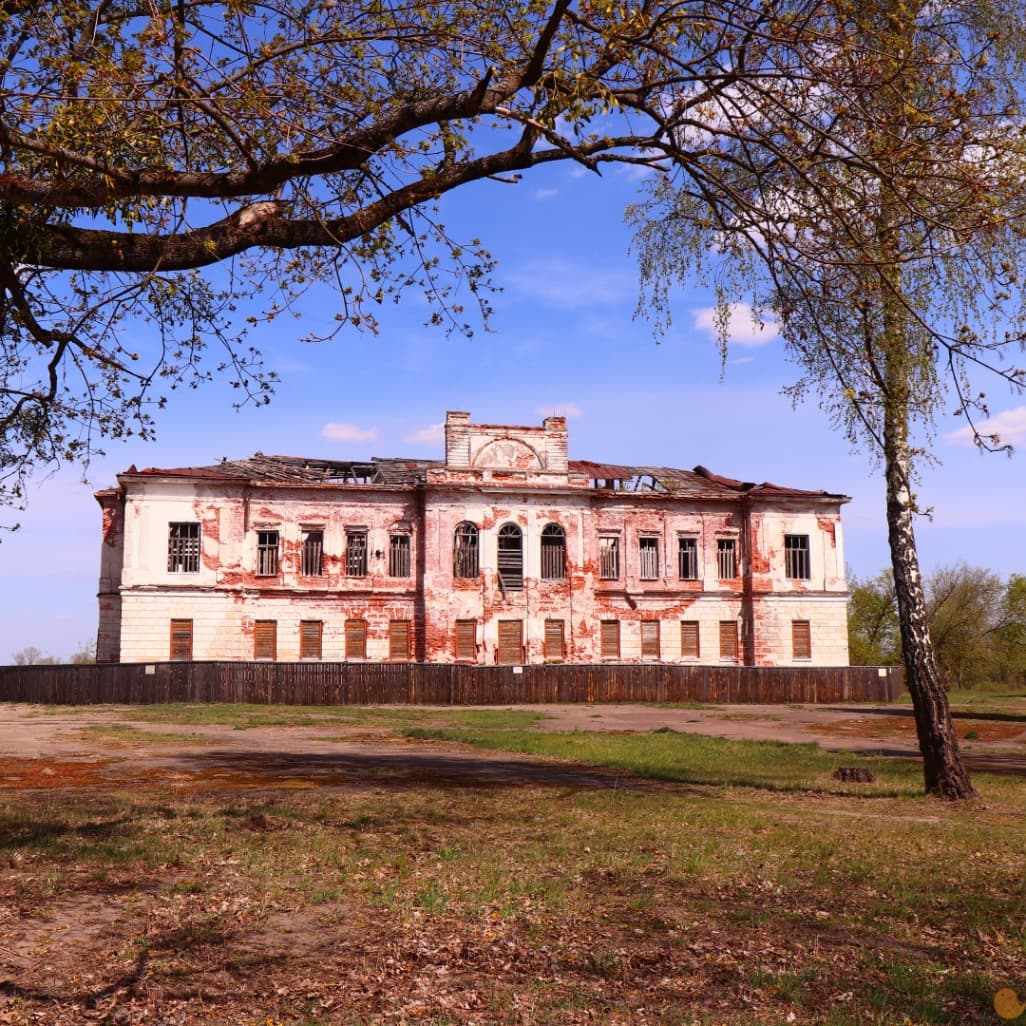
x: 699, y: 483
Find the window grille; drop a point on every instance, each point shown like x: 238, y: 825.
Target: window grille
x: 648, y: 552
x: 553, y: 553
x: 726, y: 559
x: 796, y: 557
x: 312, y: 554
x: 609, y: 558
x: 687, y: 559
x: 464, y: 551
x: 511, y: 558
x: 267, y: 553
x: 356, y: 552
x: 183, y: 548
x: 399, y: 555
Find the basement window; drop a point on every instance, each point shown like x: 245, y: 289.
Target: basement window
x: 183, y: 548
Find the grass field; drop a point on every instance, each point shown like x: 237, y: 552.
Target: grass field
x: 707, y: 882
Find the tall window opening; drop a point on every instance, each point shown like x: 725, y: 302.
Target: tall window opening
x: 399, y: 555
x: 267, y: 553
x: 356, y: 552
x: 553, y: 553
x: 648, y: 552
x: 311, y: 556
x: 796, y: 557
x: 465, y: 561
x: 726, y: 558
x: 183, y: 548
x: 609, y: 557
x: 511, y: 558
x: 687, y: 559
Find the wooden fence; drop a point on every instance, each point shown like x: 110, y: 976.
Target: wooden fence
x: 435, y: 684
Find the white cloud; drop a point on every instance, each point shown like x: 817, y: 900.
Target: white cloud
x: 433, y: 434
x: 743, y: 327
x: 569, y: 410
x: 571, y: 284
x: 544, y: 194
x: 1009, y: 426
x: 348, y: 433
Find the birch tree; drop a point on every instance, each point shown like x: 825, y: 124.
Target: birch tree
x: 875, y: 208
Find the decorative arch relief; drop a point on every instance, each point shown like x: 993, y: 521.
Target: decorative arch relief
x: 507, y: 454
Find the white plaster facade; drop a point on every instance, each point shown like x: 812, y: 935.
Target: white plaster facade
x: 671, y: 597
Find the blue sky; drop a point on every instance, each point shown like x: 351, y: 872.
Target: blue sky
x: 563, y: 338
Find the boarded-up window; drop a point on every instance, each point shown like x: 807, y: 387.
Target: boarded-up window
x: 555, y: 639
x: 726, y: 558
x: 464, y: 551
x: 183, y: 548
x: 648, y: 555
x: 511, y: 558
x: 553, y: 553
x: 310, y: 634
x: 399, y: 555
x: 650, y: 639
x: 265, y: 639
x: 311, y: 562
x: 609, y: 558
x: 511, y: 641
x: 267, y: 553
x: 356, y: 639
x: 728, y: 640
x: 689, y: 639
x: 181, y: 640
x: 356, y: 552
x: 687, y: 558
x: 796, y: 557
x: 466, y: 641
x: 801, y: 639
x: 399, y: 638
x: 609, y: 639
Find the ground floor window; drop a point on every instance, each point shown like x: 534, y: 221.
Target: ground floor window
x: 466, y: 641
x: 801, y: 639
x: 181, y: 641
x: 265, y: 639
x: 650, y: 648
x: 609, y: 638
x: 310, y: 634
x: 399, y: 638
x: 689, y: 648
x: 356, y: 639
x: 511, y: 641
x: 728, y: 640
x: 555, y: 640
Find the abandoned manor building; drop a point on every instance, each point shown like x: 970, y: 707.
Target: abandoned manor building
x: 506, y: 551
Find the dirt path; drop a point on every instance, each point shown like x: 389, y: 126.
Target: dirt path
x: 35, y: 739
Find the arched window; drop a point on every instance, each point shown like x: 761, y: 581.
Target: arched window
x: 511, y: 558
x: 464, y: 551
x: 553, y: 553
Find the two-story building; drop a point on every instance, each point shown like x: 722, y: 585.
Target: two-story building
x: 506, y: 551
